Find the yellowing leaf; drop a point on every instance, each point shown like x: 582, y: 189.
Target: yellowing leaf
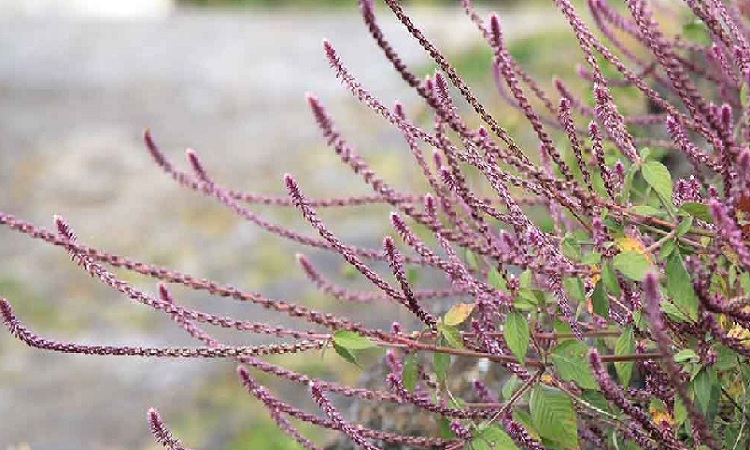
x: 596, y: 273
x: 740, y: 333
x: 735, y: 331
x: 731, y: 254
x: 458, y: 313
x: 629, y: 243
x: 659, y: 415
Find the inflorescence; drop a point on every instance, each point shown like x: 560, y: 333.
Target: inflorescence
x: 614, y: 299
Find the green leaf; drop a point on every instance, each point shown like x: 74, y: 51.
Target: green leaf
x: 553, y: 416
x: 591, y: 258
x: 458, y: 313
x: 524, y: 418
x: 625, y: 345
x: 570, y: 248
x: 673, y: 312
x: 444, y: 428
x: 615, y: 226
x: 667, y: 248
x: 516, y: 332
x: 680, y: 412
x: 456, y: 402
x: 599, y: 300
x: 686, y: 355
x: 351, y: 340
x: 451, y: 335
x: 441, y: 361
x: 574, y: 288
x: 627, y: 183
x: 346, y: 354
x: 496, y: 280
x: 510, y: 387
x: 726, y: 358
x: 410, y: 371
x: 745, y: 281
x: 525, y: 300
x: 697, y: 210
x: 703, y: 384
x: 658, y: 177
x: 569, y: 358
x: 680, y: 286
x: 532, y: 296
x: 610, y: 279
x: 684, y: 226
x: 632, y: 264
x: 639, y: 321
x: 646, y: 210
x: 524, y: 280
x: 596, y: 399
x: 731, y: 435
x: 491, y: 437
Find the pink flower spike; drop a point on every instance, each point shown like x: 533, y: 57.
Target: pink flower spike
x: 161, y: 433
x: 197, y: 166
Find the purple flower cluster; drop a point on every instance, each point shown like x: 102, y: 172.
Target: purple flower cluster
x: 571, y: 268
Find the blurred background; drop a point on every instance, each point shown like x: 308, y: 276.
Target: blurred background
x: 80, y: 79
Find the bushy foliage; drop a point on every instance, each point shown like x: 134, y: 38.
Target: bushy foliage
x: 611, y: 293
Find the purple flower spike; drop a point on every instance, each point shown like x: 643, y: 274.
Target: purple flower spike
x: 729, y: 230
x: 659, y: 330
x: 598, y: 151
x: 9, y: 320
x: 334, y: 415
x: 63, y: 228
x: 153, y: 149
x: 197, y: 165
x: 162, y: 435
x: 616, y: 395
x: 397, y: 266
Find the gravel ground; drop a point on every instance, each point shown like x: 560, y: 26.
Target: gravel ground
x: 74, y: 97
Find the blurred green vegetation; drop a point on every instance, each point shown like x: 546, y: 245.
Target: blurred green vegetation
x: 38, y: 310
